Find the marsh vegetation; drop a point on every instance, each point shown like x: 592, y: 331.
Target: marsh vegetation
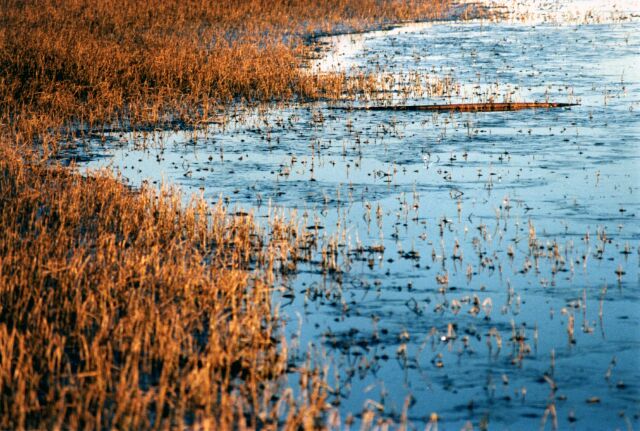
x: 318, y: 267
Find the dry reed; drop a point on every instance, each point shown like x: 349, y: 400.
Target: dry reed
x: 90, y: 62
x: 128, y: 309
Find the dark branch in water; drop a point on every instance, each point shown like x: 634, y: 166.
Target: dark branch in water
x: 461, y: 107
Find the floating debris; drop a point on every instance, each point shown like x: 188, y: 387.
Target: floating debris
x: 462, y: 107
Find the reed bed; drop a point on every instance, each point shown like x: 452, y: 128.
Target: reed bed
x: 129, y: 310
x: 125, y: 308
x: 87, y: 62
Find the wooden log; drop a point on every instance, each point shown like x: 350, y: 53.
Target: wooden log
x: 461, y: 107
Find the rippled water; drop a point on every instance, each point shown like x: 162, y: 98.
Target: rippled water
x: 398, y: 190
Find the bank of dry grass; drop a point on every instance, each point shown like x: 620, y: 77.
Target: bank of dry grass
x: 92, y: 61
x: 127, y: 309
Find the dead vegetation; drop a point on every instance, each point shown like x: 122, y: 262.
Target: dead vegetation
x: 126, y: 309
x: 94, y: 63
x: 463, y: 107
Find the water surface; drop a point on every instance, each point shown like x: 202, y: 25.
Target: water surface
x: 465, y: 244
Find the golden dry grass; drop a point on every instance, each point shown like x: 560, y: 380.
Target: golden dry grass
x: 128, y: 309
x: 92, y: 61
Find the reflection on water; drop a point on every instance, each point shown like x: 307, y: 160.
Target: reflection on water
x: 483, y: 266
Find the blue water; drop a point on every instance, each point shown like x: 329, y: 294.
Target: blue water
x: 418, y: 183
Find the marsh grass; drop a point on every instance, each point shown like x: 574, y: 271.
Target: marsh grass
x: 127, y: 309
x: 90, y: 63
x: 124, y: 308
